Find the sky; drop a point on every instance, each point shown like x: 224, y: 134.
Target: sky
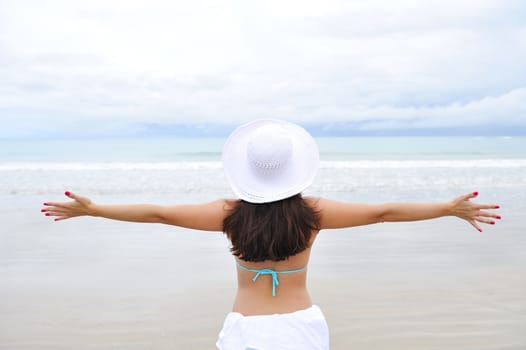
x: 362, y: 67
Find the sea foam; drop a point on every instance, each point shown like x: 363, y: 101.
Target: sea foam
x: 213, y: 165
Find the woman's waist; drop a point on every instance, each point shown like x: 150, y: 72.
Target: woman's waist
x: 256, y: 301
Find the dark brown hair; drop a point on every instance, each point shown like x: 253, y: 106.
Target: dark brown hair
x: 271, y: 231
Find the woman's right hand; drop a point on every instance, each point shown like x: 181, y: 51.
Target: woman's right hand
x: 64, y: 210
x: 473, y: 213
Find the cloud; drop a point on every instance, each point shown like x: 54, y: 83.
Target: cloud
x: 485, y: 111
x: 114, y: 64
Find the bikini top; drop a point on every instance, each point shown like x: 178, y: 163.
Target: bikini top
x: 273, y: 273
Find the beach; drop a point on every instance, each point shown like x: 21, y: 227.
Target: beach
x: 85, y: 285
x: 89, y: 283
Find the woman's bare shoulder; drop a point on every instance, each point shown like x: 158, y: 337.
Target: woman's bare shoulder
x: 339, y: 214
x: 319, y: 203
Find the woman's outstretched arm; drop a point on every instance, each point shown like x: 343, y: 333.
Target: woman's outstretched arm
x: 208, y: 216
x: 339, y: 215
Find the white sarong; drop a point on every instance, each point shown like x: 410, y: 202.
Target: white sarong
x: 304, y: 329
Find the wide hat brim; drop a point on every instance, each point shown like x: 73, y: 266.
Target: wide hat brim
x: 296, y: 176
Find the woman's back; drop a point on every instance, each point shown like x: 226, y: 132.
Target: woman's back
x: 256, y: 297
x: 271, y: 243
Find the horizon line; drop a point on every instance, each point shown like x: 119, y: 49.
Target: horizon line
x: 328, y: 129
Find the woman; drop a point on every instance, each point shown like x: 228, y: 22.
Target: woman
x: 268, y: 163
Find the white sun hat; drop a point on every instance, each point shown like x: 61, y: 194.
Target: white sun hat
x: 268, y: 160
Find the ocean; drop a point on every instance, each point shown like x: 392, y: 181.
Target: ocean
x: 361, y: 168
x: 89, y: 283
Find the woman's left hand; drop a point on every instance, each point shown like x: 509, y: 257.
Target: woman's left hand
x: 80, y: 206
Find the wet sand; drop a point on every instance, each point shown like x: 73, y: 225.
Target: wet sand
x: 94, y: 284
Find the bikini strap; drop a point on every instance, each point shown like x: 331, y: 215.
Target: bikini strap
x: 272, y: 273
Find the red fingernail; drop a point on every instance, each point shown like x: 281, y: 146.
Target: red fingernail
x: 56, y: 219
x: 67, y: 193
x: 480, y: 230
x: 493, y: 222
x: 475, y: 193
x: 46, y: 204
x: 43, y: 210
x: 497, y: 207
x: 498, y: 217
x: 48, y: 214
